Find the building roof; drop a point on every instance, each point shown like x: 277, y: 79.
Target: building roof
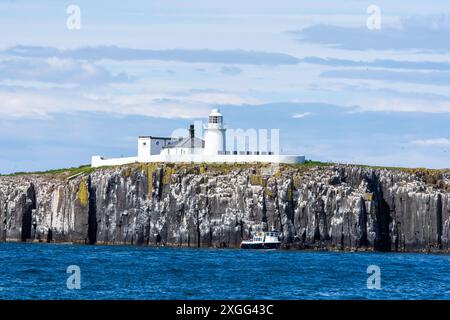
x: 188, y: 143
x: 158, y: 138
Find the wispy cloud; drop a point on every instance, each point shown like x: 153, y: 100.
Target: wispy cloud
x: 422, y: 77
x: 57, y: 70
x: 23, y: 102
x: 184, y: 55
x: 433, y: 142
x: 232, y: 71
x: 379, y: 63
x: 421, y: 33
x: 301, y: 115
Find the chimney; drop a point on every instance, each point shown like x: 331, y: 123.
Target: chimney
x: 192, y: 135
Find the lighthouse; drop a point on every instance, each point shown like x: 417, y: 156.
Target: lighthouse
x: 215, y: 134
x: 212, y: 149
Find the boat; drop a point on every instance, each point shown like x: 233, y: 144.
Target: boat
x: 263, y: 240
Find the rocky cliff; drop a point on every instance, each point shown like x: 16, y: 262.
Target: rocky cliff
x: 324, y: 207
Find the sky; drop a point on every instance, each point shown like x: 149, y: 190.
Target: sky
x: 363, y: 82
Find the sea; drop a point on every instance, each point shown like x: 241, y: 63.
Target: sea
x: 65, y: 271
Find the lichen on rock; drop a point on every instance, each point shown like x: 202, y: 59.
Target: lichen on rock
x: 82, y: 194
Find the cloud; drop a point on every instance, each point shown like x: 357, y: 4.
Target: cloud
x: 422, y: 77
x: 57, y: 70
x: 405, y: 105
x: 379, y: 63
x: 301, y: 115
x: 183, y: 55
x: 42, y: 103
x: 232, y: 71
x: 30, y: 103
x: 420, y: 33
x: 433, y: 142
x: 206, y: 90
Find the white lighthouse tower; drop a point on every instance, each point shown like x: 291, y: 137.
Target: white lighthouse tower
x: 215, y: 134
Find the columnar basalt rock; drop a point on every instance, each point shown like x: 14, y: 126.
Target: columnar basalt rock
x: 336, y: 207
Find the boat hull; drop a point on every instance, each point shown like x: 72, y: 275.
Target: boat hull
x: 260, y: 245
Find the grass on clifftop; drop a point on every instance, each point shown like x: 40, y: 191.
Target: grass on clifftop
x: 86, y: 169
x: 66, y: 171
x: 404, y: 169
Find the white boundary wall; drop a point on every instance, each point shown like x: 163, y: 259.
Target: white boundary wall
x: 98, y: 161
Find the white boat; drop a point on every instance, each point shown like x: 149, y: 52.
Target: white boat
x: 263, y: 240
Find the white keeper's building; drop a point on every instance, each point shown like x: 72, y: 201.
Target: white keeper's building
x: 212, y: 148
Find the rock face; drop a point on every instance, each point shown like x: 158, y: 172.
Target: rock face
x: 322, y: 207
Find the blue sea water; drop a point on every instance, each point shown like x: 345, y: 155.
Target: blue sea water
x: 38, y: 271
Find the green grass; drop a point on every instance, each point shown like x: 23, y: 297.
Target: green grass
x: 311, y: 163
x: 225, y: 168
x: 214, y: 167
x: 66, y: 171
x: 405, y: 169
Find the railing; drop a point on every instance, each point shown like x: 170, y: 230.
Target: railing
x: 235, y: 153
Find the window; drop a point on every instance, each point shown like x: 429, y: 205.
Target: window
x: 144, y: 143
x: 157, y: 143
x: 215, y: 119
